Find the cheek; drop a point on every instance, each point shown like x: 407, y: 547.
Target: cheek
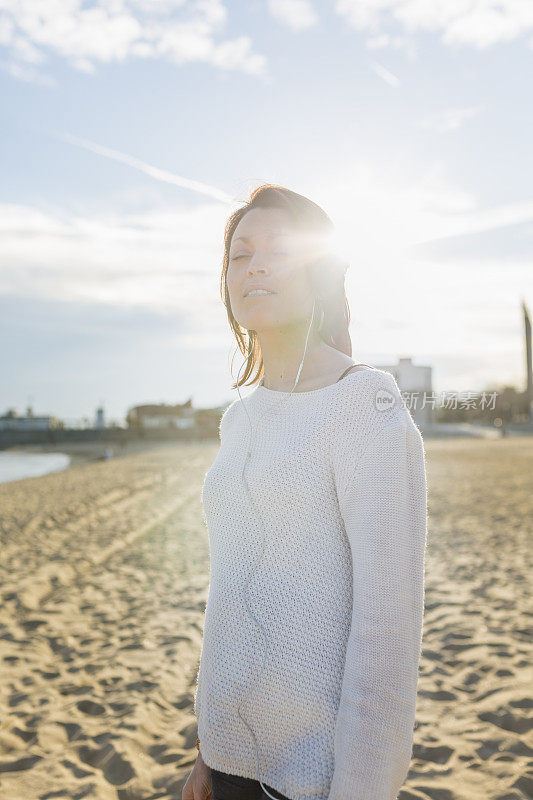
x: 297, y: 287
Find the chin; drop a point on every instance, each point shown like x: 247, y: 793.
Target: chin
x: 258, y: 321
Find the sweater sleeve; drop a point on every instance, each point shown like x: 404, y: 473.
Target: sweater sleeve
x: 384, y: 509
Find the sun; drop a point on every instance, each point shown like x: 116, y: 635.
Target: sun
x: 338, y: 246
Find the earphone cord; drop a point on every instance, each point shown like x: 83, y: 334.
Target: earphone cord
x: 249, y: 610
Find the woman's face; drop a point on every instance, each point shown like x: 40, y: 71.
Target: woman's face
x: 265, y: 252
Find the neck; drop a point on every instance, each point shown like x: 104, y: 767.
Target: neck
x: 282, y: 351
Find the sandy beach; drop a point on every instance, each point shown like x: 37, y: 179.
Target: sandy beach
x: 104, y: 571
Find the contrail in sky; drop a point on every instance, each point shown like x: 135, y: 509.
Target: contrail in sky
x: 148, y: 169
x: 385, y: 74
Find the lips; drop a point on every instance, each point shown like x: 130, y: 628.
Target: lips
x: 257, y: 289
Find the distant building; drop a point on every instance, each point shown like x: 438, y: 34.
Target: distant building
x: 99, y: 421
x: 161, y: 417
x: 11, y: 421
x: 208, y: 419
x: 415, y: 384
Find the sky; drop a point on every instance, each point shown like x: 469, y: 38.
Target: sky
x: 132, y: 129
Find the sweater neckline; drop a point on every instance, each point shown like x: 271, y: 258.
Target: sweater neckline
x: 274, y: 399
x: 280, y: 392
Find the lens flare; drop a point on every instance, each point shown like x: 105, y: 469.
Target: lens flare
x: 312, y: 246
x: 337, y: 246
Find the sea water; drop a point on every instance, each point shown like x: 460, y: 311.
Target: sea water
x: 17, y: 465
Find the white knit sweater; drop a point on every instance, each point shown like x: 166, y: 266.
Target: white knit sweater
x: 338, y: 477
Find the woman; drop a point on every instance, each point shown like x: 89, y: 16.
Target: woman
x: 316, y: 512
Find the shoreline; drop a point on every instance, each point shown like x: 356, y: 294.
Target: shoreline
x: 86, y: 452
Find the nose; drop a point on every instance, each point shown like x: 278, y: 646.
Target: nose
x: 254, y: 269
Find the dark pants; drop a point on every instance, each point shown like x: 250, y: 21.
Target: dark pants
x: 233, y: 787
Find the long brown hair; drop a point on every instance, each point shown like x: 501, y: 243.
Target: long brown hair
x: 331, y: 296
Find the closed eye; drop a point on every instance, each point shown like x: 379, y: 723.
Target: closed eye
x: 237, y: 258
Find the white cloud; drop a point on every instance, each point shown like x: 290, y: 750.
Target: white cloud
x: 234, y: 52
x: 480, y: 220
x: 295, y: 14
x: 450, y: 119
x: 28, y: 74
x: 383, y: 40
x: 164, y: 260
x: 477, y: 24
x: 85, y: 35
